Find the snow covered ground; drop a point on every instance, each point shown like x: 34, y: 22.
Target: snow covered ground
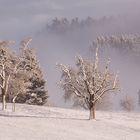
x: 49, y: 123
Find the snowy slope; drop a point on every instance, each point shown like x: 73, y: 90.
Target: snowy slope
x: 48, y: 123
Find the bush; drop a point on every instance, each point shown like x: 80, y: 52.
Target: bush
x: 127, y: 103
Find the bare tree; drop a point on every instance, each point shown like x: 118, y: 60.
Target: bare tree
x: 20, y: 86
x: 7, y: 60
x: 87, y: 84
x: 19, y: 82
x: 20, y: 75
x: 10, y: 66
x: 4, y: 85
x: 127, y: 103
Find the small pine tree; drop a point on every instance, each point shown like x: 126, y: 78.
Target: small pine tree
x: 37, y: 94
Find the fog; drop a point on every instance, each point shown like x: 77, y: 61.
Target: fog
x: 29, y: 16
x: 20, y: 19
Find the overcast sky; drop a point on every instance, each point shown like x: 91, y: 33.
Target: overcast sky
x: 19, y: 18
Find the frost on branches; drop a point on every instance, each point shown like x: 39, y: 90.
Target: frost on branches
x: 21, y: 78
x: 87, y: 84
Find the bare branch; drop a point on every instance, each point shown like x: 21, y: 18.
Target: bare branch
x: 96, y: 59
x: 25, y: 43
x: 102, y: 93
x: 88, y: 82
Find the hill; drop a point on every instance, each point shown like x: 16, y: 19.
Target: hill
x: 50, y: 123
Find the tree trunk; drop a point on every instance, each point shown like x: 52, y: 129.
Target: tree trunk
x: 13, y: 107
x: 92, y: 112
x: 3, y: 102
x: 14, y: 104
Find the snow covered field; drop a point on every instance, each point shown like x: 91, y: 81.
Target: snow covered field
x: 48, y: 123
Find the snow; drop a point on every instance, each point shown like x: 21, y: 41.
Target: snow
x: 50, y: 123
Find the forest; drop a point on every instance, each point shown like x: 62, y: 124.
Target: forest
x: 89, y: 85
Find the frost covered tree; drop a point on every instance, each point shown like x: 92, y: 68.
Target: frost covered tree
x: 18, y: 87
x: 21, y: 78
x: 87, y: 84
x: 37, y: 93
x: 19, y: 81
x: 7, y: 61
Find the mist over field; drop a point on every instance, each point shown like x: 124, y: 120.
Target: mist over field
x: 20, y: 19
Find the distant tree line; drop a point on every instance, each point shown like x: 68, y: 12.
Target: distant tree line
x: 126, y: 42
x: 63, y: 25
